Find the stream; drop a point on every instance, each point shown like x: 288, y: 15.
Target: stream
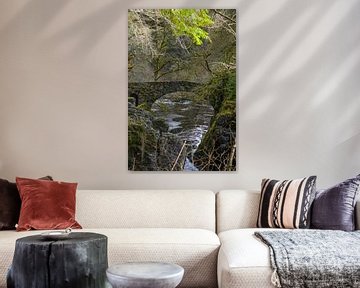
x: 187, y: 117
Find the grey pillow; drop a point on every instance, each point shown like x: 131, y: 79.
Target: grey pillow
x: 334, y: 208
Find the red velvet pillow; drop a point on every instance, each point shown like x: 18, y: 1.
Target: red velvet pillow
x: 46, y: 204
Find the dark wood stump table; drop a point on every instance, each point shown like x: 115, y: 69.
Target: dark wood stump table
x: 79, y: 261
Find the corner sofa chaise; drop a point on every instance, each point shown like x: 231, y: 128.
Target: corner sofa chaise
x: 177, y: 226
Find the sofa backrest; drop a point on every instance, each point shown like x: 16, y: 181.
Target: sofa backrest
x: 239, y: 209
x: 236, y: 209
x: 146, y: 209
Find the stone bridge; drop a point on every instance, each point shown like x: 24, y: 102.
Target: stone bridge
x: 149, y: 92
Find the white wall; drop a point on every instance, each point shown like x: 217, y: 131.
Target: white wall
x: 63, y: 92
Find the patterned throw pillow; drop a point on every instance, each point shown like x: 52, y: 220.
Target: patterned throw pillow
x: 286, y: 204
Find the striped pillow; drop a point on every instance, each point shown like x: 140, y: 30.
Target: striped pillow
x: 286, y: 204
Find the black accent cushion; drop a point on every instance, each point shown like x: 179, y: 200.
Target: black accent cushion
x: 10, y: 204
x: 334, y: 208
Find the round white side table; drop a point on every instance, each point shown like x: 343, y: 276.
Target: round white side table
x: 145, y: 275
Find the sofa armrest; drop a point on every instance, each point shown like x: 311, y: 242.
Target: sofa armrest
x: 357, y: 215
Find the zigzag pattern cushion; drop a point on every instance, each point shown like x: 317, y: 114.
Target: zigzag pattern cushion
x: 286, y: 204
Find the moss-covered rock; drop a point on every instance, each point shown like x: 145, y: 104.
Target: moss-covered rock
x: 150, y: 147
x: 142, y: 141
x: 217, y: 150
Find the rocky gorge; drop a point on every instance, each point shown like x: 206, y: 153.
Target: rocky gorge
x: 183, y: 131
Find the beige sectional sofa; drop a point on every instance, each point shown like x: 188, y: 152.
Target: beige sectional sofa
x: 162, y: 225
x: 177, y: 226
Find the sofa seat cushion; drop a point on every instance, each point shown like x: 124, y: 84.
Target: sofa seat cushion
x: 244, y: 261
x: 194, y: 249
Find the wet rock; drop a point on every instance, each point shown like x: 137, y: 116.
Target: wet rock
x: 217, y: 150
x: 176, y: 130
x: 171, y: 156
x: 150, y: 147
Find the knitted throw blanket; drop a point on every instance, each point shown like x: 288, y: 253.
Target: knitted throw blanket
x: 313, y: 258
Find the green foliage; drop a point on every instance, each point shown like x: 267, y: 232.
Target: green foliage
x: 144, y: 106
x: 162, y: 107
x: 174, y: 44
x: 189, y: 22
x: 230, y: 86
x: 221, y: 87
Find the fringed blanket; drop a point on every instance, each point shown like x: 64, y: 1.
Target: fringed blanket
x: 313, y: 258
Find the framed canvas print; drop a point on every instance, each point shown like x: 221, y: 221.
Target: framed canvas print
x: 182, y: 90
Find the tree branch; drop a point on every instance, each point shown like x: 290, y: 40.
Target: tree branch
x: 224, y: 16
